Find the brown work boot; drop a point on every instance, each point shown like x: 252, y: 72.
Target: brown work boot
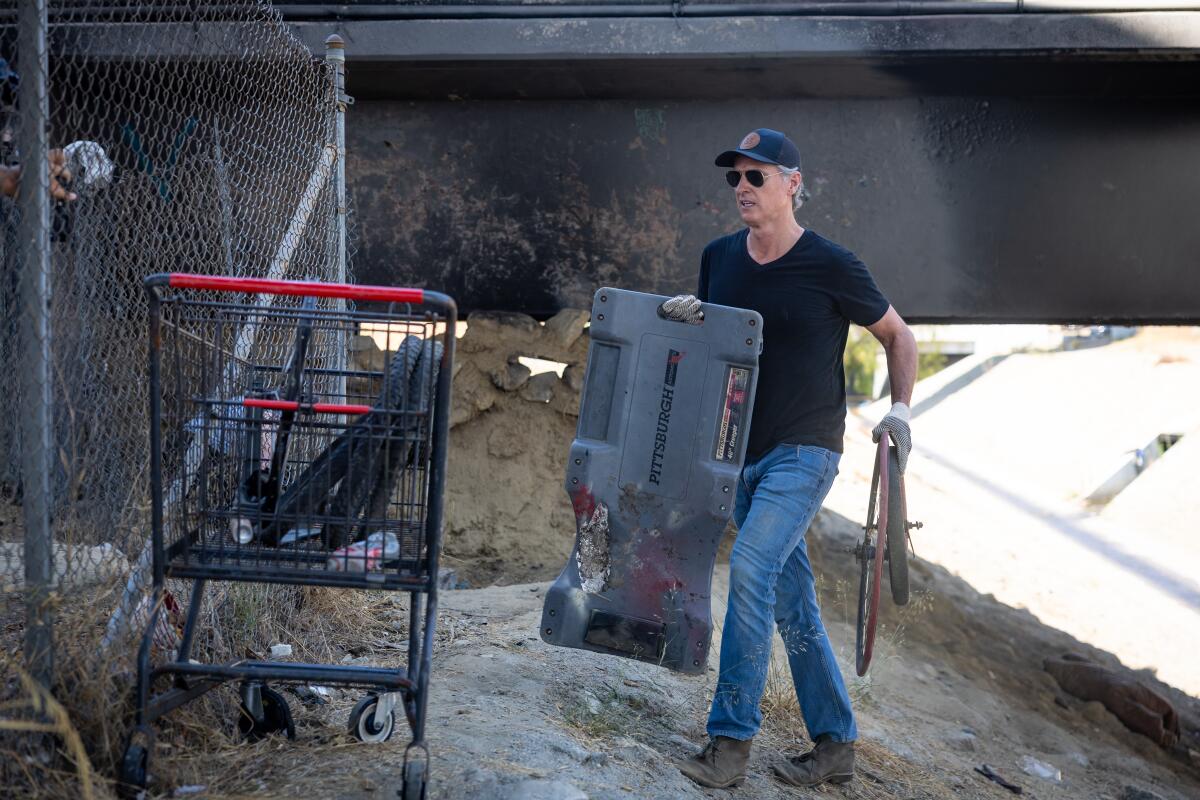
x: 720, y: 765
x: 827, y: 762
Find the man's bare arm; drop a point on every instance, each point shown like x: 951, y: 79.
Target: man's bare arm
x: 900, y: 346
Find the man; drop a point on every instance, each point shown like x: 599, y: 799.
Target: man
x: 808, y: 290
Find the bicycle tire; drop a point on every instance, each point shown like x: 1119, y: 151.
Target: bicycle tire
x: 424, y: 378
x: 897, y: 535
x: 309, y: 492
x: 871, y: 561
x: 372, y: 476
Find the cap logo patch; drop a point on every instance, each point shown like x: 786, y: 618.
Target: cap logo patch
x: 751, y: 141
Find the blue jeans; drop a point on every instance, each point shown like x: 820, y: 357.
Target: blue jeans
x: 771, y: 580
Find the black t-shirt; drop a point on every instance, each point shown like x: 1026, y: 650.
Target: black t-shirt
x: 807, y: 299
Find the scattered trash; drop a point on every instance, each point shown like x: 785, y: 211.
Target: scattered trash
x: 990, y: 774
x: 184, y: 791
x: 1040, y: 769
x: 297, y: 535
x: 365, y: 556
x: 448, y: 578
x: 281, y: 651
x: 313, y: 695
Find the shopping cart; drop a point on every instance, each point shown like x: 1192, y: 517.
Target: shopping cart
x: 274, y: 461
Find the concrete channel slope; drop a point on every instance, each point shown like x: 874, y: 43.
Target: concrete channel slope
x: 1001, y: 473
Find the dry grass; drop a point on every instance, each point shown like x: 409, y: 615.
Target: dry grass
x: 95, y: 687
x: 41, y: 724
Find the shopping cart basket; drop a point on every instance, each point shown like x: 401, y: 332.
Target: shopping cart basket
x: 274, y: 461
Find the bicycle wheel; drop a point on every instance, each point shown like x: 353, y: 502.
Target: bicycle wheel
x: 897, y: 536
x: 870, y: 557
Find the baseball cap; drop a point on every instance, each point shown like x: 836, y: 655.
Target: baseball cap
x: 765, y: 145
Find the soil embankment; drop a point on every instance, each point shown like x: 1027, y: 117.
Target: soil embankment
x: 957, y: 683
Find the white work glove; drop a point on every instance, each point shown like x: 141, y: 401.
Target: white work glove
x: 895, y: 422
x: 683, y: 308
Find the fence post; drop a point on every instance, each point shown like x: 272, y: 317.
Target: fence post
x: 335, y: 56
x: 33, y: 304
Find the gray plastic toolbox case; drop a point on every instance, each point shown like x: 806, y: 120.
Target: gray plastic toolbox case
x: 652, y: 476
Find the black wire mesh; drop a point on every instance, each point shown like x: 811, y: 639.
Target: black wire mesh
x: 269, y: 471
x: 197, y: 137
x: 189, y: 137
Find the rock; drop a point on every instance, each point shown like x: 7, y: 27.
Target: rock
x: 511, y: 377
x: 591, y: 701
x: 366, y: 355
x: 1046, y: 679
x: 540, y: 388
x: 571, y: 749
x: 683, y: 742
x: 573, y: 377
x: 543, y: 790
x: 501, y: 323
x: 1095, y: 712
x: 596, y: 759
x: 634, y: 752
x: 474, y: 392
x: 1134, y: 793
x: 565, y: 327
x: 962, y: 741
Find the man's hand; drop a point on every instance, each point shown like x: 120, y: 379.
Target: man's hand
x: 59, y: 174
x: 683, y: 308
x: 10, y: 178
x: 895, y: 422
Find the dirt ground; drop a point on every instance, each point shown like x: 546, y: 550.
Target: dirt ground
x: 958, y: 683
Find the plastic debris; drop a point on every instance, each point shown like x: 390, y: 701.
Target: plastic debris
x: 1040, y: 769
x: 281, y: 651
x: 366, y: 556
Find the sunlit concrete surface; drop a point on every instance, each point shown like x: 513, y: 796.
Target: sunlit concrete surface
x: 1003, y: 465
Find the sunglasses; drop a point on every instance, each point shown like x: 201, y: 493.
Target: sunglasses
x: 756, y: 177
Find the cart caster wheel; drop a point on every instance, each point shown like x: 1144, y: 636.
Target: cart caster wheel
x: 414, y: 780
x: 276, y: 717
x: 133, y: 771
x: 366, y: 727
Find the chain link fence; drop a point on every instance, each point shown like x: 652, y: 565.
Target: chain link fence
x: 135, y: 138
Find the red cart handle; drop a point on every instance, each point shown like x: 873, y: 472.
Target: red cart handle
x: 391, y: 294
x: 292, y: 405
